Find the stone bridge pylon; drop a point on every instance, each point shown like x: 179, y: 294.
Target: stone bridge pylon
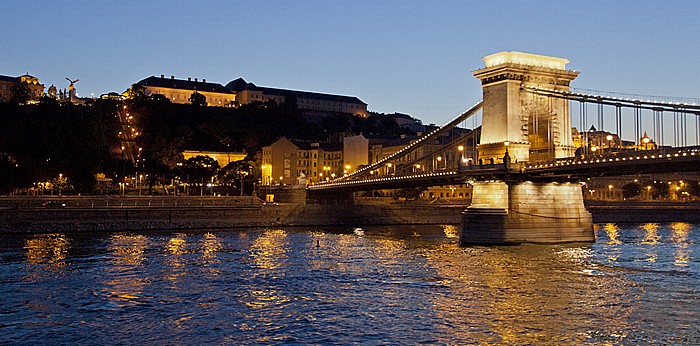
x: 525, y: 127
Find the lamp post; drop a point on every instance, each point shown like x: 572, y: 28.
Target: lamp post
x: 439, y: 159
x: 646, y: 141
x: 609, y: 138
x: 610, y: 187
x: 461, y: 153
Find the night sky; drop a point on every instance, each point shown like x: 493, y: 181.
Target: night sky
x: 413, y: 57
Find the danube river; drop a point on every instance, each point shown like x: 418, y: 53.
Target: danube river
x: 638, y: 284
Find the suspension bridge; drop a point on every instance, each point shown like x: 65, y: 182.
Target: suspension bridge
x: 516, y: 148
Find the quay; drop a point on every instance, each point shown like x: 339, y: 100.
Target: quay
x: 119, y: 213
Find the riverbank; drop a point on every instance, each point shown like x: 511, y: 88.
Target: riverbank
x: 133, y: 213
x: 138, y: 213
x: 647, y: 211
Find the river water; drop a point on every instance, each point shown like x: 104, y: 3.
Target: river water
x: 637, y: 284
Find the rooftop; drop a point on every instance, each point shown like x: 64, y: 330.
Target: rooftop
x: 525, y: 59
x: 240, y: 84
x: 183, y: 84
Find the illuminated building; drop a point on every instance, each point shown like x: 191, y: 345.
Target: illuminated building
x: 7, y: 84
x: 284, y: 162
x: 310, y: 102
x: 179, y: 91
x: 223, y: 158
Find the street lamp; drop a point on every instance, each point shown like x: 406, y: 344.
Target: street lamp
x: 646, y: 141
x: 609, y: 138
x: 439, y: 159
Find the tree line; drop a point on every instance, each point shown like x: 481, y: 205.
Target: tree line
x: 41, y: 141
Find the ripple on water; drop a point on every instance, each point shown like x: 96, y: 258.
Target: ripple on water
x: 636, y: 284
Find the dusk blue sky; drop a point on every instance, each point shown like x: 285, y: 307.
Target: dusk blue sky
x: 413, y: 57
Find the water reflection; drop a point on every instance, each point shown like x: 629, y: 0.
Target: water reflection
x: 210, y: 247
x: 268, y: 254
x: 384, y: 287
x: 49, y: 249
x: 176, y: 249
x: 528, y: 295
x: 679, y: 237
x: 613, y: 233
x: 269, y: 250
x: 651, y: 238
x: 125, y: 279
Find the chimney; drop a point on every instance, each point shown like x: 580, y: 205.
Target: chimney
x: 195, y: 80
x: 172, y: 77
x: 204, y: 80
x: 162, y: 76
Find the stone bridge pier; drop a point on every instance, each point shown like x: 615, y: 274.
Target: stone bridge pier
x: 524, y: 127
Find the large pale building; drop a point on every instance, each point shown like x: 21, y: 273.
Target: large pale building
x: 310, y: 102
x: 7, y: 85
x: 179, y: 91
x: 285, y: 161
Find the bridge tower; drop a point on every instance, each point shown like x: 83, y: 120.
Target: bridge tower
x: 537, y: 128
x: 520, y: 127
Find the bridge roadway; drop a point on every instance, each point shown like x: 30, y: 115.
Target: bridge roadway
x: 570, y: 169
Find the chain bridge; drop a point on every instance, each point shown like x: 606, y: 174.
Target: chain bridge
x: 516, y: 148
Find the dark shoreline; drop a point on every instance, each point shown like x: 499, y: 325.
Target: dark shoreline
x: 25, y: 214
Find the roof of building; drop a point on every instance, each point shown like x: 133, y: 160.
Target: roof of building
x: 319, y: 145
x: 183, y: 84
x: 240, y: 84
x: 7, y: 78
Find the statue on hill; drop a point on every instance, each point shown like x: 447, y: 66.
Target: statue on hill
x: 71, y: 88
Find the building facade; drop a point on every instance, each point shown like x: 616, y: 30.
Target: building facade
x: 8, y: 85
x: 285, y: 162
x: 309, y: 102
x: 223, y: 158
x: 179, y: 91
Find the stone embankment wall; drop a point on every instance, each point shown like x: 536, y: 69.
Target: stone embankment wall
x: 133, y: 214
x: 636, y: 212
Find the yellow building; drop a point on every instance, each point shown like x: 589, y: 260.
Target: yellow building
x: 223, y: 158
x: 179, y: 91
x: 7, y: 85
x: 284, y: 162
x: 309, y: 102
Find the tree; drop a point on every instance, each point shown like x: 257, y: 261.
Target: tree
x: 21, y: 93
x: 409, y: 193
x: 197, y: 99
x: 235, y: 174
x: 198, y: 169
x: 631, y: 190
x: 693, y: 188
x: 659, y: 189
x: 136, y: 92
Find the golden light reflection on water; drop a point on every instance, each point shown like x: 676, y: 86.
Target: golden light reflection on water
x: 127, y: 253
x: 270, y: 249
x: 536, y: 295
x: 651, y: 238
x: 451, y: 231
x: 49, y: 249
x: 268, y: 252
x: 651, y: 233
x: 176, y: 248
x: 211, y: 245
x: 679, y: 236
x: 613, y: 233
